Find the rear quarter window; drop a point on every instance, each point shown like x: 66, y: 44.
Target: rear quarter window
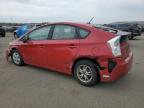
x: 83, y: 33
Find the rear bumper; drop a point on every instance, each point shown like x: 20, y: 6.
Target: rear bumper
x: 122, y: 68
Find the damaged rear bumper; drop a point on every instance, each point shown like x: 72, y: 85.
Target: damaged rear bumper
x: 120, y: 68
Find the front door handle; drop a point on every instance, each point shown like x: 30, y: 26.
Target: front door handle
x: 42, y: 46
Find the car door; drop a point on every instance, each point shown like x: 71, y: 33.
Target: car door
x: 33, y: 50
x: 62, y: 48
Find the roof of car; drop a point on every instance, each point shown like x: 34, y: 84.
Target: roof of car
x: 73, y: 23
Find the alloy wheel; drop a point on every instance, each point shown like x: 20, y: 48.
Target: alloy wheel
x: 16, y: 58
x: 84, y: 73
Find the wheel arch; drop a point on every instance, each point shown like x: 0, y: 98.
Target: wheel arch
x: 97, y: 65
x: 14, y: 48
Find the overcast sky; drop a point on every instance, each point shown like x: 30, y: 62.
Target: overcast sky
x: 104, y: 11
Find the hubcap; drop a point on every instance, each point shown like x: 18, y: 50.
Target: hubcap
x: 16, y: 58
x: 84, y: 73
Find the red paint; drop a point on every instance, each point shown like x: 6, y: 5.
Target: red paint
x: 60, y: 55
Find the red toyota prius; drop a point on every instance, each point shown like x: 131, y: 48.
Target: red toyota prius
x: 88, y: 53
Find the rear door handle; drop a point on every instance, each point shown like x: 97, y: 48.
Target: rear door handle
x: 72, y: 46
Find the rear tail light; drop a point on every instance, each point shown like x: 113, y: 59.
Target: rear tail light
x: 115, y: 46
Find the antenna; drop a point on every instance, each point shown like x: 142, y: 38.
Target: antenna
x: 90, y: 20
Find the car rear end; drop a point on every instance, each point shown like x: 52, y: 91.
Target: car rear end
x: 124, y: 62
x: 136, y: 31
x: 120, y: 63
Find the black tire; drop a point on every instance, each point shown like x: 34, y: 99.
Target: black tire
x: 3, y: 35
x: 15, y: 36
x: 15, y: 53
x: 131, y: 37
x: 93, y: 77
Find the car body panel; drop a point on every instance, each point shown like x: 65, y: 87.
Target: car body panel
x: 120, y: 70
x: 33, y: 53
x: 60, y: 54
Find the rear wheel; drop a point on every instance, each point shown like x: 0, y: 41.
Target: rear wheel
x: 86, y: 73
x: 16, y: 58
x: 3, y: 35
x: 130, y: 37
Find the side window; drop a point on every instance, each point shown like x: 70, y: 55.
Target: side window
x: 40, y: 34
x: 64, y: 32
x: 83, y: 33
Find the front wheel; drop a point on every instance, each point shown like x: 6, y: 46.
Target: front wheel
x: 16, y: 58
x: 86, y: 73
x: 15, y: 36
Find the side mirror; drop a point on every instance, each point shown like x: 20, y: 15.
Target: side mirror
x: 24, y: 39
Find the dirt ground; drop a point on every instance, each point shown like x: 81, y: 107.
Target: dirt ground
x: 31, y: 87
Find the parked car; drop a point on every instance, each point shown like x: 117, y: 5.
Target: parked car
x: 141, y: 26
x: 6, y: 28
x: 22, y: 30
x: 11, y: 28
x: 2, y: 32
x: 89, y: 54
x: 134, y: 29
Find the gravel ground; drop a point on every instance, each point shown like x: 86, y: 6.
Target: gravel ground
x: 31, y: 87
